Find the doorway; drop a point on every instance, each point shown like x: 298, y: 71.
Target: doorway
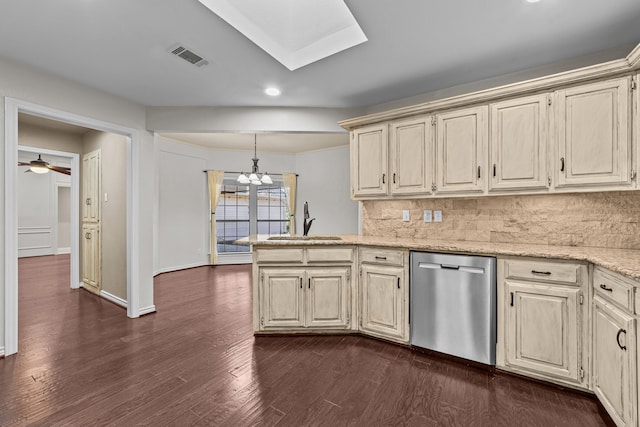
x: 12, y: 109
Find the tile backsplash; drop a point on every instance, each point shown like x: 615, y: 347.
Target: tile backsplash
x: 607, y: 219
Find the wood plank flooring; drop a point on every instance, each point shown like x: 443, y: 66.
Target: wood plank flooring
x: 82, y: 362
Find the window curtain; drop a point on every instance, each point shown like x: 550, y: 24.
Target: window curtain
x: 215, y: 179
x: 290, y: 182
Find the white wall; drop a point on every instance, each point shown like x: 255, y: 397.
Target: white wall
x: 64, y: 220
x: 28, y: 84
x: 323, y: 181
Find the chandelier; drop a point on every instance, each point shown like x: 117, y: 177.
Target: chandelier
x: 255, y: 178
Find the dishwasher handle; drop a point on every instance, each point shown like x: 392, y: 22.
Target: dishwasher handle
x: 461, y: 268
x: 450, y: 267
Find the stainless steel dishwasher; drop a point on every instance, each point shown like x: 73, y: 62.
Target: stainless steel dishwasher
x: 453, y: 305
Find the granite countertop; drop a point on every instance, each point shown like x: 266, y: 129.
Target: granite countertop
x: 623, y: 261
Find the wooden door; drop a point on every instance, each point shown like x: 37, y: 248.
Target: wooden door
x: 382, y: 302
x: 91, y: 256
x: 518, y: 144
x: 614, y: 361
x: 460, y: 151
x: 544, y: 330
x: 411, y: 152
x: 593, y: 134
x: 282, y: 297
x: 328, y: 298
x: 369, y: 147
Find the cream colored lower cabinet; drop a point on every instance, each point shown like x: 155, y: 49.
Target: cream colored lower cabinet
x: 615, y: 380
x: 545, y: 323
x: 293, y: 298
x: 384, y: 294
x: 91, y: 265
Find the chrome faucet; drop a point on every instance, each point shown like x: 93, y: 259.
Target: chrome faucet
x: 307, y: 222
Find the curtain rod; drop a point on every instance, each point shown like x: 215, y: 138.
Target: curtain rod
x: 273, y: 174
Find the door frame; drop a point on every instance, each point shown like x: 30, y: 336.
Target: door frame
x: 75, y: 207
x: 12, y: 108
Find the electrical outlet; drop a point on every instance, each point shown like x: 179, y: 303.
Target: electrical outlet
x: 437, y: 216
x: 405, y: 216
x: 428, y: 216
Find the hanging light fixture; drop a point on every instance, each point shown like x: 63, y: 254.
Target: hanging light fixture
x: 255, y: 178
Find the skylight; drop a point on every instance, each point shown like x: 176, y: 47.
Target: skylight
x: 295, y: 32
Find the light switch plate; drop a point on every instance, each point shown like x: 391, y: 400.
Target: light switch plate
x: 437, y: 216
x: 428, y: 216
x: 405, y: 216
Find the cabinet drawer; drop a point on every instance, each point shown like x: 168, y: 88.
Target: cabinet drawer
x: 294, y: 256
x: 543, y: 271
x: 382, y: 256
x: 329, y: 255
x: 613, y: 288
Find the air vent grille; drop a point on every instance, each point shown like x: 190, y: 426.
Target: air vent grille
x: 188, y: 55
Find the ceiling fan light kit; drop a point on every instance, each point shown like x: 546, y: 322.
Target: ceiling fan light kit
x: 255, y: 178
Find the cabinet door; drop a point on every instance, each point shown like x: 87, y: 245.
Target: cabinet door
x: 614, y: 361
x: 282, y: 297
x: 461, y: 156
x: 411, y: 156
x: 544, y: 331
x: 91, y: 186
x: 593, y: 134
x: 383, y: 303
x: 518, y: 144
x: 91, y: 272
x: 369, y: 176
x: 328, y: 298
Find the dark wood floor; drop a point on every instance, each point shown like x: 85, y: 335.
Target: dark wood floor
x: 82, y: 362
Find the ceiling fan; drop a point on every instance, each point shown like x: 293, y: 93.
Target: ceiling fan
x: 40, y: 166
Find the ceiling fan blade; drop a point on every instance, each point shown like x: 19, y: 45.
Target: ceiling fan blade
x: 24, y: 164
x: 60, y: 169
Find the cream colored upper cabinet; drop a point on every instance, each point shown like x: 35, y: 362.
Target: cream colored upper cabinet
x: 411, y: 152
x: 518, y: 144
x: 593, y: 134
x: 91, y: 186
x: 461, y: 151
x: 369, y: 174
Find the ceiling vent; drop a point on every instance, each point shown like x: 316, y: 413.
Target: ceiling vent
x: 188, y: 55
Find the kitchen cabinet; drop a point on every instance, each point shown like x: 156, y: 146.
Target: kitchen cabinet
x: 461, y: 156
x: 300, y: 298
x: 545, y: 327
x: 384, y: 294
x: 615, y: 379
x: 593, y: 136
x: 303, y: 288
x: 518, y: 144
x: 369, y: 161
x: 411, y: 155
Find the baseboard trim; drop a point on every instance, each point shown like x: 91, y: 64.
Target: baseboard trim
x: 63, y: 251
x: 1, y: 351
x: 147, y: 310
x: 114, y: 299
x: 179, y: 267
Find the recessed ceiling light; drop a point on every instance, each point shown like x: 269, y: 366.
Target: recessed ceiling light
x: 272, y: 91
x: 531, y: 1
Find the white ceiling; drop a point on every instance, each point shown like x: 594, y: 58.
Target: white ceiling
x: 413, y: 47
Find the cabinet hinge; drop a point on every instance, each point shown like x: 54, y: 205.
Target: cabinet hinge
x: 262, y: 321
x: 548, y: 99
x: 633, y: 174
x: 549, y: 181
x: 360, y: 271
x: 633, y: 83
x: 348, y: 275
x: 581, y: 374
x: 433, y: 188
x: 433, y: 120
x: 581, y: 298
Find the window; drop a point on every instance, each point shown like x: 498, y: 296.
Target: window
x: 243, y: 210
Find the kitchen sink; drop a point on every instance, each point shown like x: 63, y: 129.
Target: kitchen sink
x: 304, y: 238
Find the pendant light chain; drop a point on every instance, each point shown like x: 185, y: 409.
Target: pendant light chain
x: 255, y: 177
